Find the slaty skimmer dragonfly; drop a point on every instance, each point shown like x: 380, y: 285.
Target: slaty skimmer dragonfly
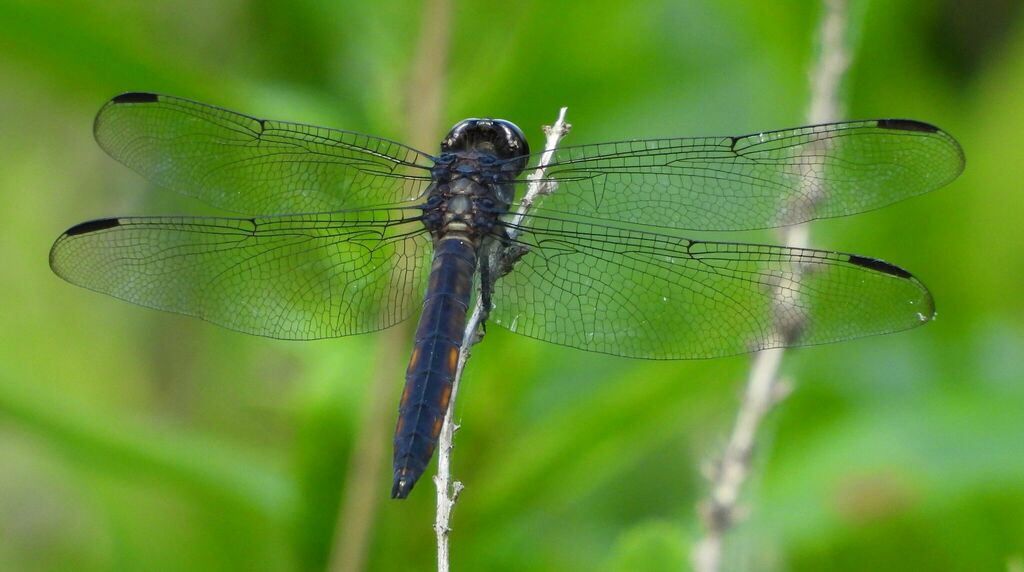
x: 345, y: 233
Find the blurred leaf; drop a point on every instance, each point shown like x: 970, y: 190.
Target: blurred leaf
x: 651, y: 547
x: 212, y: 471
x: 891, y: 460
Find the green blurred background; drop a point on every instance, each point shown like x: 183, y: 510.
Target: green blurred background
x: 136, y: 440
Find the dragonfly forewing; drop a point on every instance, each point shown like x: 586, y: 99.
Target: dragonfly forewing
x: 256, y: 166
x: 764, y: 180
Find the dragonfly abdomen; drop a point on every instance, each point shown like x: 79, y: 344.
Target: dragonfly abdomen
x: 428, y: 380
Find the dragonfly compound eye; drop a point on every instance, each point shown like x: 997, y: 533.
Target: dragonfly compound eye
x: 499, y: 138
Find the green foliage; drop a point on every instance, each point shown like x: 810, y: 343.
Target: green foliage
x: 653, y: 547
x: 136, y: 440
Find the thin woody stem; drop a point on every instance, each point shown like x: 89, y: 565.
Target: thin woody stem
x: 764, y: 387
x: 448, y: 490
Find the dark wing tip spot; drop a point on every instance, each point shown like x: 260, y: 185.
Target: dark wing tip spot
x: 907, y: 125
x: 136, y: 97
x: 92, y: 226
x: 879, y: 265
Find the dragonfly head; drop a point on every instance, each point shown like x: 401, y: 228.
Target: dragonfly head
x: 496, y: 137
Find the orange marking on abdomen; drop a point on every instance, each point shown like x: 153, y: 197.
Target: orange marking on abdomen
x: 446, y: 394
x: 453, y: 359
x: 436, y: 429
x: 415, y: 358
x: 405, y: 394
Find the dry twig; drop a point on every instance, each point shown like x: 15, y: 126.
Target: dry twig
x: 448, y: 489
x: 764, y: 387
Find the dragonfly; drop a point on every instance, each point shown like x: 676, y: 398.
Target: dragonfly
x: 344, y: 233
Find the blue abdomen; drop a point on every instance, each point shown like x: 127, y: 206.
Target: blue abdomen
x: 428, y: 380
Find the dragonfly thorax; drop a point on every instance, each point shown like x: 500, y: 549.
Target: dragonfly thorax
x: 467, y: 202
x: 473, y: 179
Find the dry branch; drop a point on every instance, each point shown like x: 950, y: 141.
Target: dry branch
x: 448, y: 489
x: 764, y: 387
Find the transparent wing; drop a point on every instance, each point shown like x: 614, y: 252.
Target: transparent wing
x: 763, y: 180
x: 647, y: 295
x: 295, y: 277
x: 256, y: 166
